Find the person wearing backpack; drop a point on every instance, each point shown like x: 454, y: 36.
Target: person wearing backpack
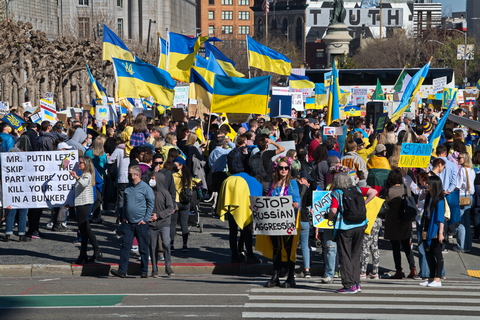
x: 348, y: 214
x: 236, y: 157
x: 397, y: 230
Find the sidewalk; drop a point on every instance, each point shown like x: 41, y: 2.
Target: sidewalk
x: 209, y: 253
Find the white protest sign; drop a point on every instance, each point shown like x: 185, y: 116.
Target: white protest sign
x: 287, y: 145
x: 297, y: 101
x: 27, y: 105
x: 4, y: 110
x: 273, y: 216
x: 360, y: 96
x: 332, y: 131
x: 181, y: 96
x: 38, y: 179
x: 298, y: 71
x: 102, y: 112
x: 439, y: 84
x: 279, y: 91
x: 49, y: 96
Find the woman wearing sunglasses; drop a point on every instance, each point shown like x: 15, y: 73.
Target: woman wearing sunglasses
x: 283, y: 185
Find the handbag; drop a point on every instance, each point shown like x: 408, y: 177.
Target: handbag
x: 409, y: 212
x: 466, y: 201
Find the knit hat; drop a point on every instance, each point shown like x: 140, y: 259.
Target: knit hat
x: 180, y: 160
x: 427, y: 127
x: 359, y: 141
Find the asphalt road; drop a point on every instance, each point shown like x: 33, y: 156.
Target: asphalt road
x: 231, y: 297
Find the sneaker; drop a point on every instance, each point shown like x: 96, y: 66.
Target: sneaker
x: 359, y: 287
x: 435, y: 284
x: 185, y: 248
x: 457, y: 249
x: 144, y: 275
x: 373, y: 276
x: 59, y: 228
x: 50, y: 225
x: 351, y: 290
x: 363, y: 275
x: 237, y: 259
x: 64, y: 224
x: 445, y: 251
x: 327, y: 280
x: 161, y: 257
x: 36, y: 235
x: 307, y: 274
x: 154, y: 274
x: 134, y: 248
x: 118, y: 273
x: 336, y: 274
x: 424, y: 284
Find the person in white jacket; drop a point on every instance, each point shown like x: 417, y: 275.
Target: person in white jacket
x: 465, y: 179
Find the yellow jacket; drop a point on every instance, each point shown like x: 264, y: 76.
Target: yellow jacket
x: 365, y: 152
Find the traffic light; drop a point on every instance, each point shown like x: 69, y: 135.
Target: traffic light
x: 100, y: 30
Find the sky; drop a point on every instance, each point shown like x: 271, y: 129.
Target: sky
x: 454, y: 5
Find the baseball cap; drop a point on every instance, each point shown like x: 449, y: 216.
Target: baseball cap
x: 380, y: 148
x: 359, y: 141
x: 63, y: 145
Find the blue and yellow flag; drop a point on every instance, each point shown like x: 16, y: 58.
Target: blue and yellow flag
x: 300, y: 82
x: 334, y: 96
x: 200, y: 89
x: 114, y: 47
x: 266, y: 59
x: 162, y: 60
x: 99, y: 89
x: 226, y: 64
x: 141, y: 80
x: 239, y: 95
x: 14, y: 121
x: 434, y: 138
x: 321, y: 96
x: 310, y: 103
x: 410, y: 91
x: 448, y: 94
x: 212, y: 69
x: 201, y: 65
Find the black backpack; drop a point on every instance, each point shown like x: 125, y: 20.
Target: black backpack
x: 23, y: 142
x: 354, y: 210
x: 186, y: 196
x: 235, y: 161
x: 258, y: 169
x: 409, y: 212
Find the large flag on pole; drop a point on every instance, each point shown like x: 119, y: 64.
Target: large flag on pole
x: 410, y: 91
x: 434, y: 138
x: 334, y: 96
x: 162, y: 60
x: 266, y: 59
x: 200, y: 89
x: 142, y: 80
x: 239, y: 95
x: 213, y: 68
x: 114, y: 47
x: 402, y: 81
x: 300, y: 82
x: 378, y: 95
x: 226, y: 64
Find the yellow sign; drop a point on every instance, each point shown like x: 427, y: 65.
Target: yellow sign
x: 408, y: 161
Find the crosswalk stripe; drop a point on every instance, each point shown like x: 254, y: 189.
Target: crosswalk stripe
x: 375, y: 306
x: 359, y: 297
x: 322, y: 315
x: 421, y: 291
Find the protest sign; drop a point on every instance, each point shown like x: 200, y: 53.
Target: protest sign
x: 102, y: 112
x: 380, y: 122
x: 360, y: 96
x: 285, y: 91
x: 273, y: 216
x: 238, y: 117
x: 38, y: 179
x: 439, y: 84
x: 287, y: 145
x: 136, y: 111
x: 4, y: 109
x: 280, y: 105
x: 415, y: 155
x: 49, y: 111
x: 49, y: 96
x: 178, y: 114
x: 36, y: 117
x: 332, y: 131
x: 321, y: 202
x: 27, y: 105
x: 14, y: 121
x: 181, y: 95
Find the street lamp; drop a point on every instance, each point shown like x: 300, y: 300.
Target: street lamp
x: 150, y: 21
x: 204, y: 31
x: 183, y: 31
x: 464, y: 56
x: 442, y: 45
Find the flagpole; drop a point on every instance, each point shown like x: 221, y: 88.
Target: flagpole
x: 266, y: 23
x: 248, y: 58
x: 381, y: 18
x: 168, y: 50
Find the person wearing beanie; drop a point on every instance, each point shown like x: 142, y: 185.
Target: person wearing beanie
x: 365, y: 152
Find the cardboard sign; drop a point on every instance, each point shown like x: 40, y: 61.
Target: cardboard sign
x: 332, y: 131
x: 380, y: 122
x: 321, y: 202
x: 38, y: 179
x: 238, y: 117
x: 415, y: 155
x: 273, y: 216
x: 178, y: 114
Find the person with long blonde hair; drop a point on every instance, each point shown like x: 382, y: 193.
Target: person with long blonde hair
x: 83, y: 201
x: 98, y: 155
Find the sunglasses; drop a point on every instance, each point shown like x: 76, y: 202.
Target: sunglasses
x: 283, y: 168
x: 157, y: 163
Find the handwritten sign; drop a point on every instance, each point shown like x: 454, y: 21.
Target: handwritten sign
x: 415, y: 155
x: 322, y: 200
x: 273, y: 216
x: 380, y: 122
x: 332, y: 131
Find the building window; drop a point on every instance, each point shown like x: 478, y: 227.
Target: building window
x: 120, y: 3
x: 83, y: 27
x: 227, y: 43
x: 211, y: 2
x: 211, y: 15
x: 211, y: 29
x: 242, y: 43
x: 227, y: 15
x: 243, y: 2
x: 244, y: 15
x: 227, y: 29
x: 244, y: 30
x: 319, y: 53
x: 83, y: 2
x: 120, y: 27
x: 227, y: 2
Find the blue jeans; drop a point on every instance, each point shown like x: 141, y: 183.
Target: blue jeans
x: 22, y: 221
x: 463, y: 231
x: 128, y: 231
x: 329, y: 252
x: 304, y: 234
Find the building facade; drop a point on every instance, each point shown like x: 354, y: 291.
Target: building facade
x: 473, y: 19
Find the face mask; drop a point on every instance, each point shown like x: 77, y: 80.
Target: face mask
x: 160, y: 166
x: 152, y: 183
x: 176, y: 169
x: 130, y: 178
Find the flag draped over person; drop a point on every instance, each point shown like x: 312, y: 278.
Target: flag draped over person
x: 239, y: 95
x: 227, y: 65
x: 334, y: 96
x: 97, y: 87
x: 141, y: 80
x: 437, y: 133
x: 114, y: 47
x: 410, y: 91
x: 162, y: 60
x: 378, y: 95
x: 300, y: 82
x: 266, y: 59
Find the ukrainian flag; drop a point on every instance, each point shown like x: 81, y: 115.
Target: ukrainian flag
x: 201, y: 65
x: 200, y: 89
x: 162, y: 62
x: 410, y: 91
x: 213, y: 68
x: 437, y: 133
x: 300, y: 82
x: 99, y: 89
x: 310, y: 103
x: 266, y: 59
x: 448, y: 93
x: 114, y: 47
x: 321, y: 97
x: 334, y: 96
x: 138, y: 80
x: 238, y: 95
x: 182, y: 54
x: 226, y: 64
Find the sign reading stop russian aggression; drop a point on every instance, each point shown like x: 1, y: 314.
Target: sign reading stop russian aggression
x: 415, y: 155
x: 273, y: 216
x: 38, y: 179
